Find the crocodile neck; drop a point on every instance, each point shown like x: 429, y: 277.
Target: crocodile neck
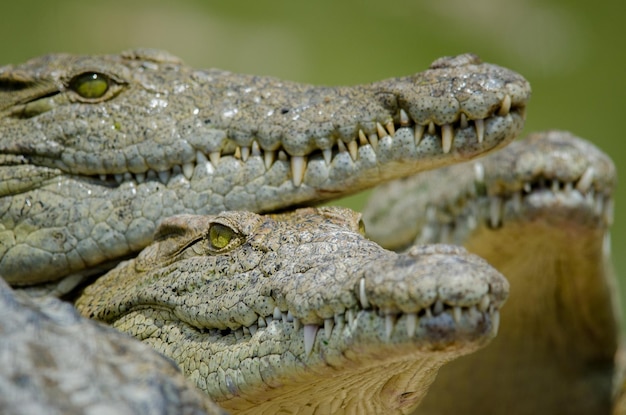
x: 539, y: 212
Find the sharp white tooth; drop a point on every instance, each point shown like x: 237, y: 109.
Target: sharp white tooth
x: 362, y: 295
x: 419, y: 133
x: 484, y: 303
x: 128, y: 176
x: 391, y: 128
x: 350, y: 316
x: 103, y: 177
x: 310, y: 330
x: 374, y: 141
x: 429, y: 313
x: 215, y: 157
x: 329, y: 323
x: 609, y: 210
x: 140, y: 177
x: 164, y: 176
x: 363, y: 138
x: 256, y: 150
x: 456, y: 314
x: 261, y: 322
x: 253, y: 329
x: 289, y: 316
x: 505, y: 107
x: 438, y: 307
x: 555, y: 186
x: 431, y: 128
x: 479, y: 172
x: 282, y: 156
x: 463, y: 121
x: 495, y: 320
x: 447, y: 136
x: 586, y: 180
x: 341, y: 146
x: 119, y: 178
x: 598, y: 206
x: 298, y: 168
x: 284, y: 318
x: 495, y: 206
x: 268, y: 158
x: 277, y: 313
x: 568, y: 188
x: 245, y: 153
x: 389, y: 323
x: 328, y: 155
x: 246, y: 330
x: 380, y: 130
x: 404, y: 118
x: 480, y: 129
x: 353, y: 148
x: 188, y: 170
x: 473, y: 312
x: 411, y: 322
x: 296, y: 324
x: 151, y: 175
x: 527, y: 188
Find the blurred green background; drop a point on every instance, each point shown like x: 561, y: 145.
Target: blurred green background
x: 572, y: 52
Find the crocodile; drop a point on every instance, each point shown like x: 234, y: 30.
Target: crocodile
x: 96, y: 150
x: 539, y: 211
x: 299, y: 312
x: 54, y: 362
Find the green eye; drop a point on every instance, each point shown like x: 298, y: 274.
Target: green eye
x: 362, y: 227
x: 220, y: 236
x: 90, y: 85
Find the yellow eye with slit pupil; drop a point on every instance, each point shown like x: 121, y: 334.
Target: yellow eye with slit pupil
x: 90, y: 85
x: 220, y: 236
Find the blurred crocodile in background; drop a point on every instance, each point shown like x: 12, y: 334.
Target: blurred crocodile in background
x: 539, y: 211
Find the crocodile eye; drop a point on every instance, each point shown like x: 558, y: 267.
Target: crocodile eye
x: 220, y: 236
x: 90, y: 85
x: 362, y: 227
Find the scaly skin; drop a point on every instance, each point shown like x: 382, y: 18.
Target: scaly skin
x: 538, y: 211
x: 299, y: 313
x: 89, y: 167
x: 54, y: 362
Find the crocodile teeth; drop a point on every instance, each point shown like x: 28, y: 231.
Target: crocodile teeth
x: 363, y: 138
x: 296, y: 324
x: 261, y: 322
x: 188, y: 170
x: 353, y: 148
x: 447, y: 135
x: 310, y: 330
x: 341, y: 146
x: 329, y: 323
x: 119, y: 178
x: 479, y: 172
x: 495, y: 320
x: 298, y: 167
x: 140, y: 177
x: 456, y: 314
x: 585, y: 180
x: 480, y: 129
x: 253, y: 329
x: 289, y: 316
x: 431, y: 128
x: 103, y: 177
x: 256, y: 150
x: 505, y: 107
x: 381, y: 131
x: 277, y: 313
x: 245, y: 153
x: 328, y: 155
x: 215, y: 156
x: 362, y: 295
x: 164, y: 176
x: 411, y: 322
x: 438, y: 307
x: 463, y: 121
x: 404, y: 118
x: 268, y: 158
x: 374, y: 141
x: 391, y: 128
x: 419, y: 133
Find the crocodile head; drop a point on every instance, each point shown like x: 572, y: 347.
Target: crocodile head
x: 96, y: 150
x: 539, y: 211
x: 279, y: 313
